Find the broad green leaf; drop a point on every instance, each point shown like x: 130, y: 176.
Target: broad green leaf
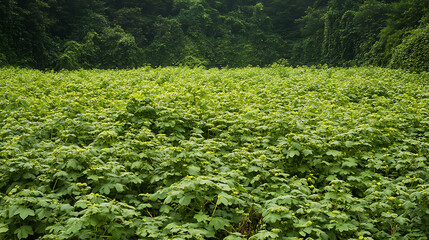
x: 287, y: 199
x: 197, y: 130
x: 168, y: 199
x: 105, y: 189
x: 264, y: 234
x: 186, y: 200
x: 218, y: 223
x: 196, y: 232
x: 3, y: 228
x: 308, y: 230
x: 350, y: 162
x: 389, y: 215
x: 296, y: 145
x: 119, y: 187
x: 201, y: 217
x: 333, y: 153
x: 43, y: 212
x: 74, y: 227
x: 234, y: 236
x: 172, y: 226
x: 129, y: 213
x: 307, y: 152
x: 13, y: 210
x: 346, y: 227
x: 81, y: 204
x: 272, y: 218
x: 224, y: 199
x: 194, y: 170
x: 324, y: 236
x: 93, y: 220
x: 25, y: 212
x: 137, y: 165
x: 223, y: 187
x: 401, y: 220
x: 349, y: 144
x: 24, y: 231
x: 292, y: 153
x: 157, y: 195
x: 165, y: 208
x: 72, y: 163
x: 66, y: 208
x: 331, y: 195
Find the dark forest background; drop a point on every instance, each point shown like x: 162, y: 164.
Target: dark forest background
x: 73, y: 34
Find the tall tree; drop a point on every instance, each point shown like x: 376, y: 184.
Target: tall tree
x: 25, y: 31
x: 403, y: 17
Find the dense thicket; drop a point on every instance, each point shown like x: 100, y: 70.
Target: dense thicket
x: 175, y: 153
x: 111, y: 33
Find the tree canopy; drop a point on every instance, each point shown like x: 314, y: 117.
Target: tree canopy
x: 57, y: 34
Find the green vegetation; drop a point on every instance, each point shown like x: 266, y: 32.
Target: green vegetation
x: 60, y: 34
x: 170, y: 150
x: 413, y: 53
x: 180, y: 153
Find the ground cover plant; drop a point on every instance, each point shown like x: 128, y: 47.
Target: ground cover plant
x: 180, y: 153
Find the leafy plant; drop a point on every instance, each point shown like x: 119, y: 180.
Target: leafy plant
x: 180, y: 153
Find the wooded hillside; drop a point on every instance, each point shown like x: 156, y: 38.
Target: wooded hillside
x: 122, y: 34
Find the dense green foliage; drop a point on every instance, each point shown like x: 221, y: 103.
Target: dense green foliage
x: 180, y: 153
x: 350, y: 32
x: 125, y: 34
x: 413, y: 53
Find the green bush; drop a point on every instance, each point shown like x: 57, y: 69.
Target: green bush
x: 413, y: 52
x: 69, y: 59
x: 110, y: 48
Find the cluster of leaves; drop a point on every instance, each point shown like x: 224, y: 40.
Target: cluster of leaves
x: 180, y: 153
